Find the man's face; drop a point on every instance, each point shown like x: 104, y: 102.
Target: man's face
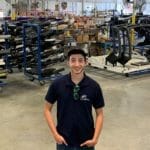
x: 77, y: 63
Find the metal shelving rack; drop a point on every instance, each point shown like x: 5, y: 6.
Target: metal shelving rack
x: 14, y: 58
x: 3, y: 58
x: 33, y: 48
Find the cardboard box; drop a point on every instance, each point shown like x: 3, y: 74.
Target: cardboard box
x: 79, y: 38
x: 85, y: 38
x: 82, y: 38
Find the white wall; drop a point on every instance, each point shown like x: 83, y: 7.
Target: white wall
x: 4, y: 7
x: 75, y: 6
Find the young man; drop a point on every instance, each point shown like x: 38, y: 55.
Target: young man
x: 75, y: 94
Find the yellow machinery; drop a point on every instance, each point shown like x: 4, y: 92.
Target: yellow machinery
x: 133, y: 23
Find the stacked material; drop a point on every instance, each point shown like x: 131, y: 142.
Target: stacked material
x: 3, y: 73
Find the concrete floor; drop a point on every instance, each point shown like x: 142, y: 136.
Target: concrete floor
x: 127, y: 114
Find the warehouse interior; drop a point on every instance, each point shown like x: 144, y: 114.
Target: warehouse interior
x: 35, y: 37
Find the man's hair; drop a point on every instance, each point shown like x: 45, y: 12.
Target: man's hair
x: 76, y: 51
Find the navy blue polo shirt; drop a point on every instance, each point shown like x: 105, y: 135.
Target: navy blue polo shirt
x: 74, y: 117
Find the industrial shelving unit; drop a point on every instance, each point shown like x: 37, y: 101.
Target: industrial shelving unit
x: 41, y: 51
x: 3, y: 58
x: 15, y: 44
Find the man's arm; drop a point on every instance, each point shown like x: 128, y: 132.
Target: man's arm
x: 98, y: 124
x: 98, y: 128
x: 48, y: 115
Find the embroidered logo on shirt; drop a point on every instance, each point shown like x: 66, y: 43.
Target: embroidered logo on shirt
x: 84, y: 98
